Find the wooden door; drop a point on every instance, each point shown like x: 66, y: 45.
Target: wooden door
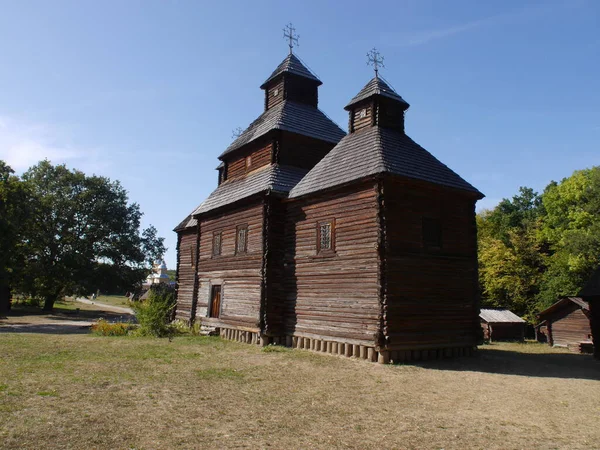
x: 215, y: 301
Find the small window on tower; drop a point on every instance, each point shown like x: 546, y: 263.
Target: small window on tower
x: 241, y: 242
x: 432, y: 233
x: 325, y: 236
x: 248, y: 161
x: 275, y: 92
x: 217, y: 237
x: 362, y: 113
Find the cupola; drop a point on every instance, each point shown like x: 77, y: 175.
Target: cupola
x: 377, y: 104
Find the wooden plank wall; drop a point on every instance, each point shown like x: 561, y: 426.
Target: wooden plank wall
x: 272, y: 99
x: 260, y: 156
x: 239, y: 275
x: 362, y: 122
x: 333, y: 296
x: 503, y: 331
x: 571, y: 327
x: 389, y: 115
x: 301, y: 151
x: 432, y: 297
x: 300, y: 90
x: 185, y: 273
x: 274, y: 296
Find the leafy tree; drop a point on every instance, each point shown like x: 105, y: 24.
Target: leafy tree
x: 571, y: 228
x: 14, y: 199
x: 84, y: 231
x: 510, y: 269
x: 155, y: 313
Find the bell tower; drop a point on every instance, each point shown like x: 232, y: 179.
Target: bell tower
x: 377, y: 104
x: 291, y: 80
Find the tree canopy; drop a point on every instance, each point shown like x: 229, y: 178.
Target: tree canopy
x: 81, y: 231
x: 535, y: 248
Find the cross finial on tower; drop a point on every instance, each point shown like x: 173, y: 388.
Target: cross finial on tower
x: 289, y: 33
x: 375, y: 59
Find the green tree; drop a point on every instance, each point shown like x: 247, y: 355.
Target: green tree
x: 571, y: 229
x: 510, y: 254
x: 84, y: 228
x: 14, y: 199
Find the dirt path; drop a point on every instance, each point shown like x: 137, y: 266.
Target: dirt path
x: 104, y: 306
x: 62, y: 320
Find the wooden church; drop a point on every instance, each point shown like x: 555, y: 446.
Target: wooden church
x: 360, y: 244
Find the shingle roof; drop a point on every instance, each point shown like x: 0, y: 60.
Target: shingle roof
x: 290, y: 116
x: 373, y: 151
x: 188, y: 222
x: 276, y: 178
x: 500, y: 315
x: 377, y: 87
x: 292, y: 64
x: 561, y: 303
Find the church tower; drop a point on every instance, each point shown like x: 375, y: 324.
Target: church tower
x: 231, y: 246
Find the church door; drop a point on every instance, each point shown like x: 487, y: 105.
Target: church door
x: 215, y: 302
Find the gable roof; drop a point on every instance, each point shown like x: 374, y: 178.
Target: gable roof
x: 562, y: 303
x: 592, y: 287
x: 499, y: 315
x: 276, y: 178
x: 290, y: 116
x: 292, y: 65
x: 376, y: 87
x: 373, y: 151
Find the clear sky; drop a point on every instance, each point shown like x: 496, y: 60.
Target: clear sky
x: 506, y: 93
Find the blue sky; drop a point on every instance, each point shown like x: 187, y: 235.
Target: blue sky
x: 506, y: 93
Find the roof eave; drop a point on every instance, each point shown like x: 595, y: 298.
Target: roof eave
x: 271, y: 79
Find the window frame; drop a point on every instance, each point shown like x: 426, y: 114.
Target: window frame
x: 426, y: 233
x: 244, y: 251
x: 213, y: 253
x: 332, y: 240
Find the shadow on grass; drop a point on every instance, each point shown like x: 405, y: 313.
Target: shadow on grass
x: 510, y: 362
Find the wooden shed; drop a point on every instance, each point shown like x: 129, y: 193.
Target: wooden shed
x: 567, y: 324
x: 501, y: 325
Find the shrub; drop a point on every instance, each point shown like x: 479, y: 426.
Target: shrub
x: 104, y: 328
x: 154, y: 314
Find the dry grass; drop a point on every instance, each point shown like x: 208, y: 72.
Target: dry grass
x: 81, y: 391
x: 114, y: 300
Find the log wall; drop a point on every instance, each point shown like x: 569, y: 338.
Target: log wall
x: 333, y: 295
x: 300, y: 151
x: 356, y: 121
x: 503, y: 331
x: 238, y: 275
x: 260, y: 156
x: 275, y: 94
x: 186, y: 256
x: 431, y: 294
x: 301, y: 90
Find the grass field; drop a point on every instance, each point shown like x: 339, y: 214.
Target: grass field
x: 114, y: 300
x: 82, y: 391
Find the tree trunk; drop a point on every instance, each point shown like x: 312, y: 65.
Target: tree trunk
x: 49, y: 302
x: 4, y: 299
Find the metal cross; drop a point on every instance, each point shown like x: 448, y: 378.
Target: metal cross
x: 289, y: 33
x: 375, y: 59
